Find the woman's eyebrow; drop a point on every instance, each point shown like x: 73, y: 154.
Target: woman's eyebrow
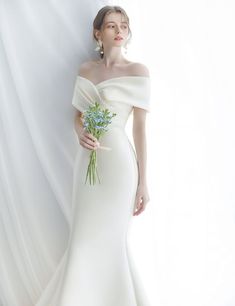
x: 114, y: 22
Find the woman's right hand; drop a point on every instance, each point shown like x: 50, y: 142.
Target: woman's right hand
x: 87, y: 140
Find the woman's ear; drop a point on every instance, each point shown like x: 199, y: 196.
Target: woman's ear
x: 97, y: 34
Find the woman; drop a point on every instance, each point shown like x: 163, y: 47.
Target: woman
x: 99, y: 269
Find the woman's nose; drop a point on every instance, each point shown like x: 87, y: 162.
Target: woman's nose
x: 118, y: 30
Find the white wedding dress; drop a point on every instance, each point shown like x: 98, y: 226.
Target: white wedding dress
x: 99, y: 269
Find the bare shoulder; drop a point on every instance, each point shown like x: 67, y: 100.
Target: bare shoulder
x: 85, y: 68
x: 139, y: 69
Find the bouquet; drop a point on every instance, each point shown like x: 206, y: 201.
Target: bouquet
x: 96, y: 120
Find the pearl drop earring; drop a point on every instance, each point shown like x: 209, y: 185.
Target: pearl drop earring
x: 99, y: 47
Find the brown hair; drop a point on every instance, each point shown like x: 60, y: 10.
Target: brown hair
x: 98, y: 21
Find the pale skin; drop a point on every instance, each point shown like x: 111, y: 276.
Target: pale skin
x: 114, y: 64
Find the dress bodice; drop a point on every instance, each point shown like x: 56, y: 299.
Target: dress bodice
x: 119, y: 95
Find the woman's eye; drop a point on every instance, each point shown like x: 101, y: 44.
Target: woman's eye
x: 113, y: 26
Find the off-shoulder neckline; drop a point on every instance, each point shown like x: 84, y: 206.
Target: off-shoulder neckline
x: 115, y: 78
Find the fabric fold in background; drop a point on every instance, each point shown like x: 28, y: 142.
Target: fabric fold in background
x: 42, y: 45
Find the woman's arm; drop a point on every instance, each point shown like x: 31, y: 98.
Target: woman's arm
x: 139, y: 137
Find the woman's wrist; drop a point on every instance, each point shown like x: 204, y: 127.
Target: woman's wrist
x: 142, y: 182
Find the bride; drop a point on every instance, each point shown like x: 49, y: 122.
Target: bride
x: 99, y: 269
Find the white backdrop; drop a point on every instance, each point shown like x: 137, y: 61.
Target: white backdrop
x: 184, y: 241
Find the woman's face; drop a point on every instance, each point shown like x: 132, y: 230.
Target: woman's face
x: 114, y: 26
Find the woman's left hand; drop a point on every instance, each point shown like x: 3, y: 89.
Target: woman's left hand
x: 142, y: 197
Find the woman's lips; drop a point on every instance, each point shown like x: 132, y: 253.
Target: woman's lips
x: 118, y: 38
